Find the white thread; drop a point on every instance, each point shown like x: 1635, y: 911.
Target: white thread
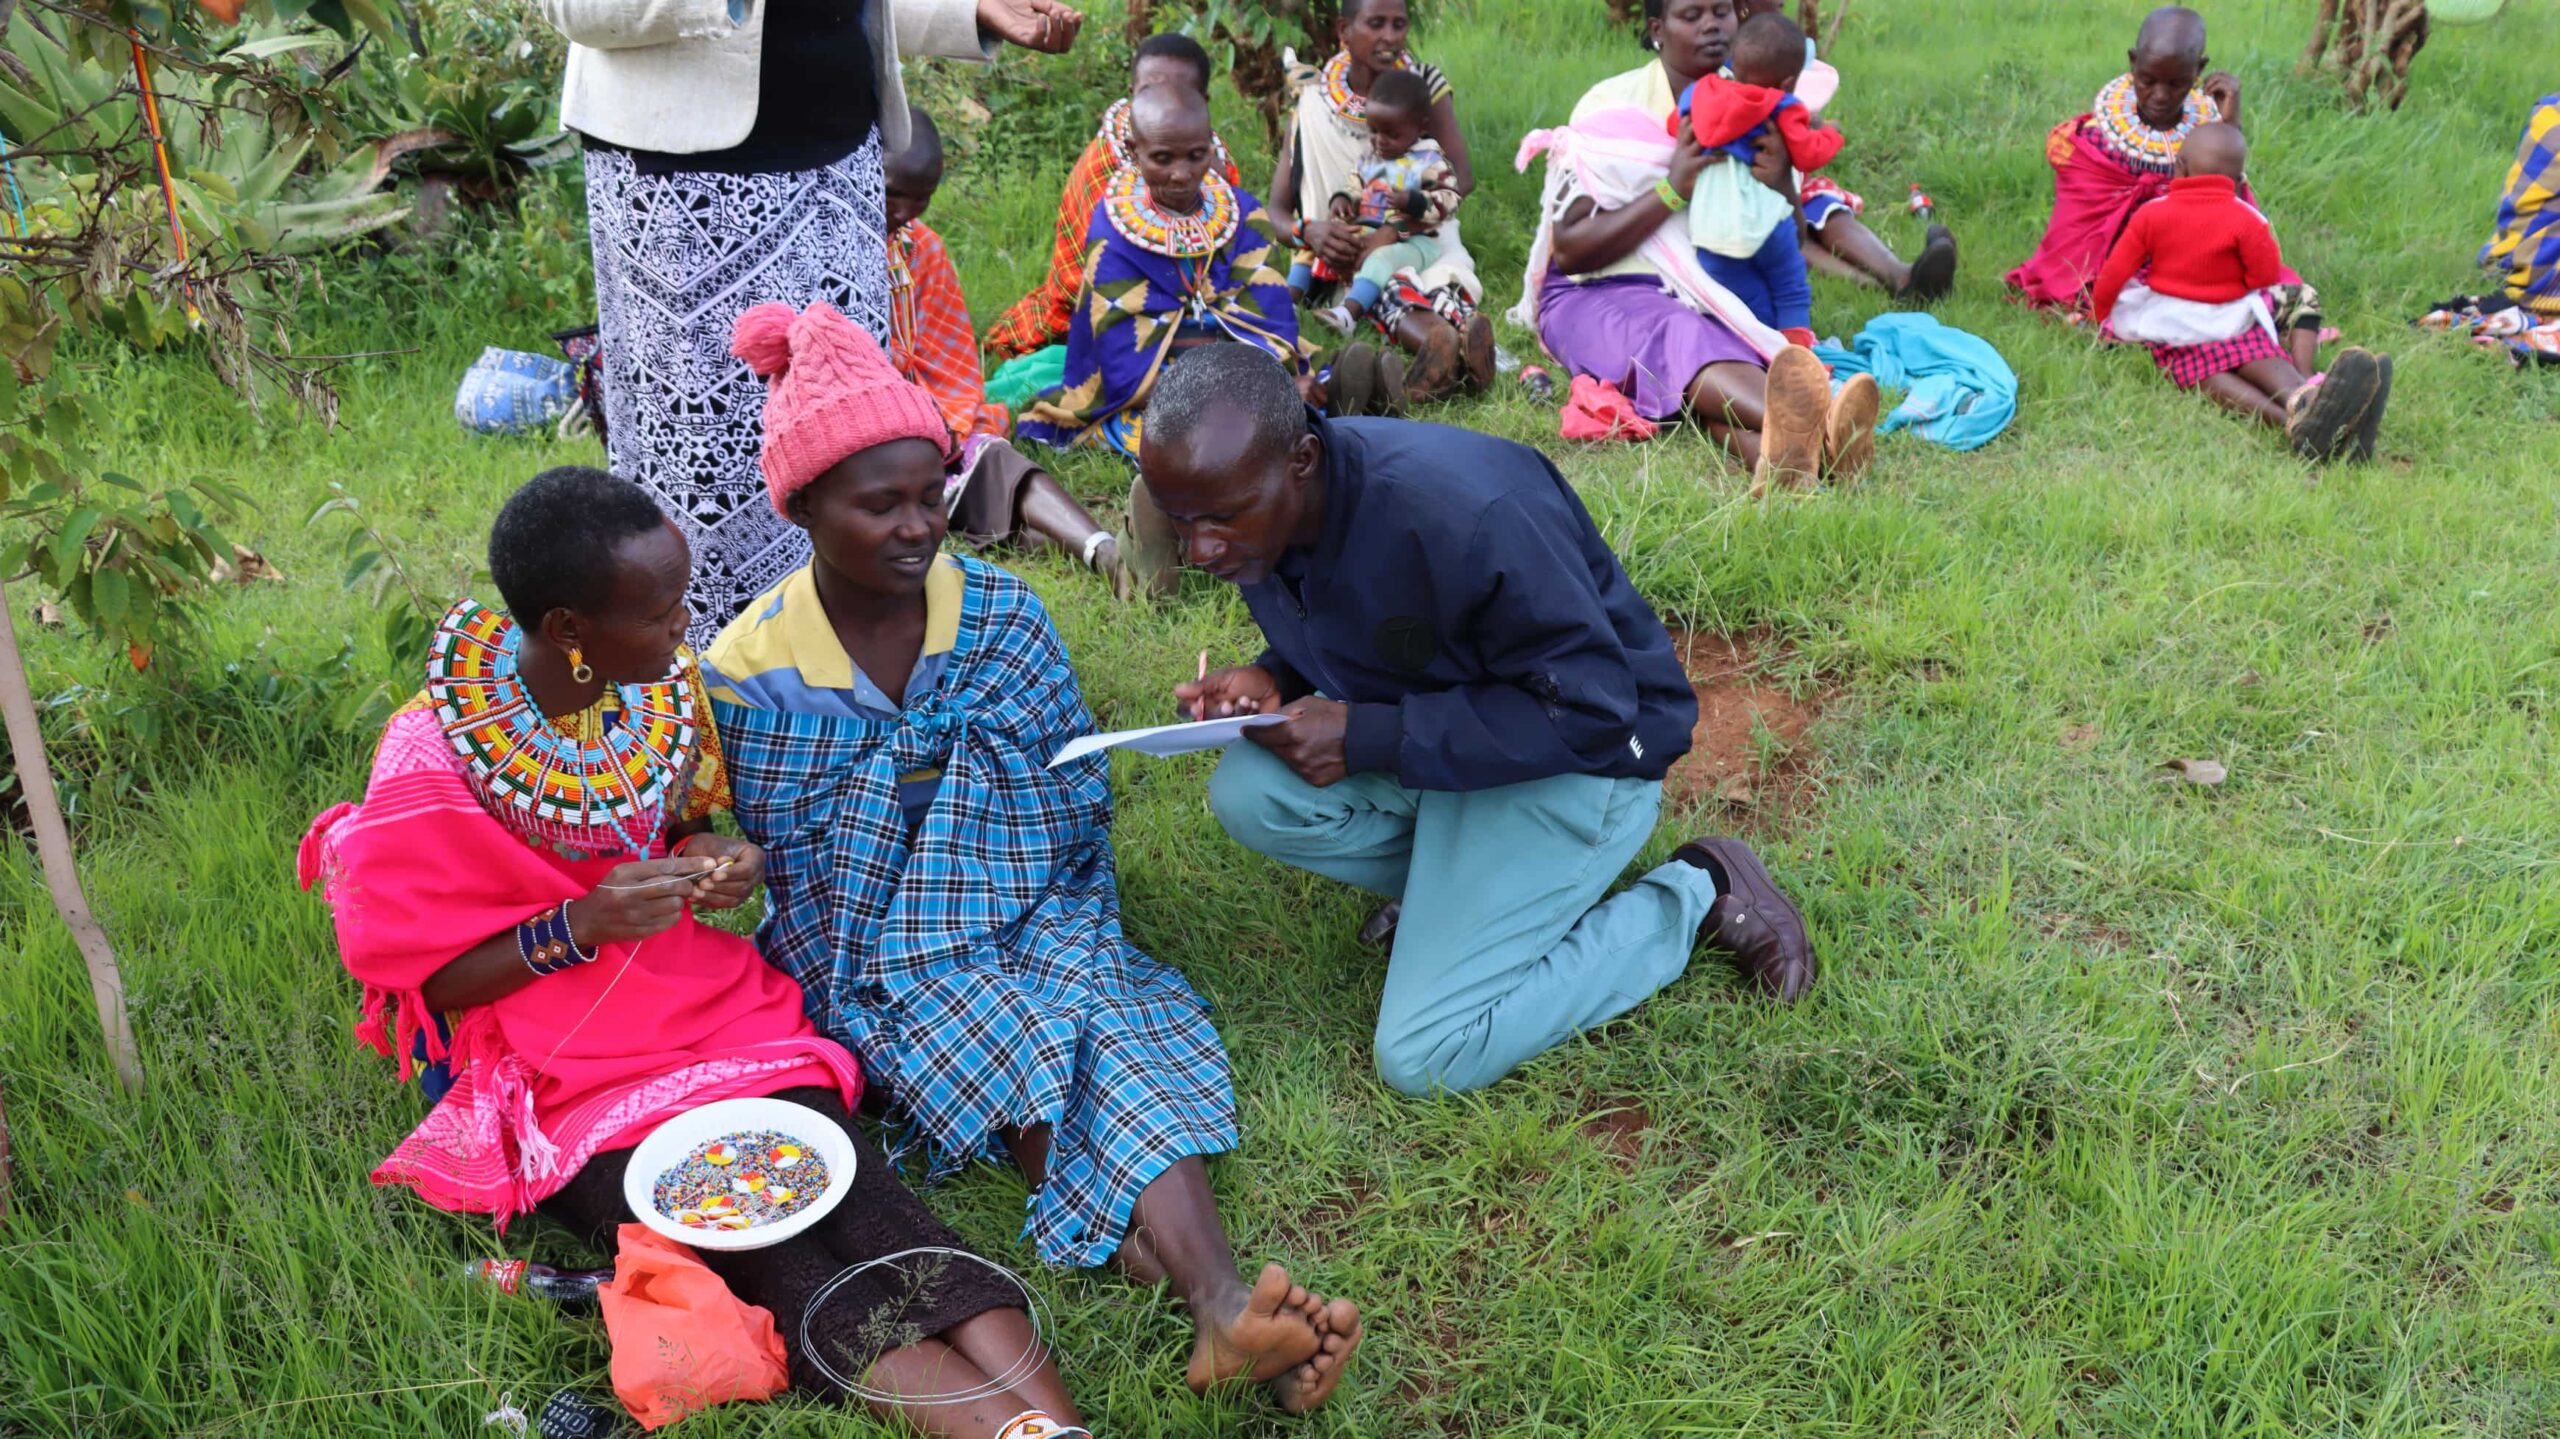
x: 507, y: 1416
x: 1023, y: 1368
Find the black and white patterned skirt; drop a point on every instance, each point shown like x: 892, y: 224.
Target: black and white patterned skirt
x: 678, y: 258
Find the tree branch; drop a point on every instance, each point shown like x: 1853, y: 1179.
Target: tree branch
x: 53, y: 849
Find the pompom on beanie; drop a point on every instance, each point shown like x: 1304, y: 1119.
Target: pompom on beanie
x: 829, y: 393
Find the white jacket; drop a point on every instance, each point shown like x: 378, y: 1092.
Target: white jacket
x: 679, y: 76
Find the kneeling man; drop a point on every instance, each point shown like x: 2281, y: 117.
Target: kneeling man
x: 1480, y: 709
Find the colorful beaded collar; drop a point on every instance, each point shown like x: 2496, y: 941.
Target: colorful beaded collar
x: 1337, y: 86
x: 608, y: 781
x: 2121, y: 130
x: 1122, y: 141
x: 1202, y: 233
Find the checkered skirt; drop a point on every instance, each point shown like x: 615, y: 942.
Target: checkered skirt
x: 2192, y: 365
x: 979, y: 969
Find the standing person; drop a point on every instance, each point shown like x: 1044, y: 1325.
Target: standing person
x: 1613, y: 285
x: 1841, y: 240
x: 1428, y: 310
x: 1479, y: 712
x: 994, y: 492
x: 733, y: 157
x: 589, y: 1003
x: 1039, y: 319
x: 945, y: 897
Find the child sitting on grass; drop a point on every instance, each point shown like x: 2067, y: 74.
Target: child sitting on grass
x: 1402, y: 194
x: 2189, y: 277
x: 1745, y: 232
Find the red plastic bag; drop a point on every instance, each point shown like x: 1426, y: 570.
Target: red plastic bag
x: 1596, y: 411
x: 681, y: 1341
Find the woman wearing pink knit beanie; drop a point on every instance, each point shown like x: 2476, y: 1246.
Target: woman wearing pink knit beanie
x: 945, y: 898
x: 991, y: 492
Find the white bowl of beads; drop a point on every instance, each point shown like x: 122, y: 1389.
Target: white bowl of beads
x: 739, y: 1173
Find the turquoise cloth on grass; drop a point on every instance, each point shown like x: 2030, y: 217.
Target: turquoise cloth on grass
x: 1018, y: 380
x: 1960, y: 393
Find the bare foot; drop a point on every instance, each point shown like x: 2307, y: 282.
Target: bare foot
x: 1306, y: 1387
x: 1274, y: 1333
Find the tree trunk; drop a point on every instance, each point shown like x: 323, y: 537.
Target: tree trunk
x: 53, y: 849
x: 1809, y: 17
x: 2319, y: 45
x: 1141, y: 20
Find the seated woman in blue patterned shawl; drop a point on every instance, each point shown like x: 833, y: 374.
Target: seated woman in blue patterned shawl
x: 946, y: 900
x: 1175, y: 257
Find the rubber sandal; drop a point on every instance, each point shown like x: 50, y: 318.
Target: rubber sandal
x: 1933, y: 272
x: 2369, y: 424
x: 1476, y: 354
x: 1391, y: 386
x: 2320, y: 426
x: 1849, y: 436
x: 1791, y: 427
x: 1353, y: 389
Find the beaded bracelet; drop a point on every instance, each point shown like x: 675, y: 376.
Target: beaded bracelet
x: 547, y: 945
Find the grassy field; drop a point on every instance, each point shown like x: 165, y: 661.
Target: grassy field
x: 2124, y: 1107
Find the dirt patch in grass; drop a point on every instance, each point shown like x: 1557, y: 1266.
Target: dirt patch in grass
x: 1619, y: 1129
x: 1730, y: 765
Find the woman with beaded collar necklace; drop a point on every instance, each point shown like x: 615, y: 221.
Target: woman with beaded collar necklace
x: 1175, y: 257
x: 527, y: 859
x: 1430, y: 313
x: 1040, y: 318
x: 2117, y: 156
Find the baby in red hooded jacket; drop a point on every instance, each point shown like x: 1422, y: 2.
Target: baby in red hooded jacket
x: 1744, y: 231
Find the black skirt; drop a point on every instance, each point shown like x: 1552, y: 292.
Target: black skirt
x: 879, y: 1310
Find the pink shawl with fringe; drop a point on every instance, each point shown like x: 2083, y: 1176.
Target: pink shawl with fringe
x: 573, y: 1064
x: 1610, y: 155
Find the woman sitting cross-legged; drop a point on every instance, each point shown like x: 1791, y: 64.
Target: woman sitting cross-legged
x: 945, y: 898
x: 527, y: 858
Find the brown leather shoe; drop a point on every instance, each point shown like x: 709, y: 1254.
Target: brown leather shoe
x: 1751, y: 921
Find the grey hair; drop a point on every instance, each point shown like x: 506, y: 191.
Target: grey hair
x: 1234, y: 383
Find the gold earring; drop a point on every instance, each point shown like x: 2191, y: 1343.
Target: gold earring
x: 578, y: 665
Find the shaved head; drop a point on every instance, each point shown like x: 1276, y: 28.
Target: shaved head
x: 2171, y: 30
x: 2215, y: 150
x: 1165, y: 114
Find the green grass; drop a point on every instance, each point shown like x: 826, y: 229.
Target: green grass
x: 2123, y: 1108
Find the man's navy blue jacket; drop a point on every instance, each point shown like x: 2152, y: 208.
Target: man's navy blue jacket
x: 1464, y: 606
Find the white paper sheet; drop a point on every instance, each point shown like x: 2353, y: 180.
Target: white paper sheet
x: 1166, y: 739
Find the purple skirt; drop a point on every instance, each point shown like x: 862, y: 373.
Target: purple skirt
x: 1627, y: 330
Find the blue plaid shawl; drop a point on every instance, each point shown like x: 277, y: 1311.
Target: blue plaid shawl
x: 979, y: 971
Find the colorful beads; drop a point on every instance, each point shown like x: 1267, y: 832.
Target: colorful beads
x: 606, y: 782
x: 2119, y: 117
x: 1338, y: 93
x: 730, y: 1184
x: 1202, y: 233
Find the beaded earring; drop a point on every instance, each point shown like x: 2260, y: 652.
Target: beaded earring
x: 578, y: 669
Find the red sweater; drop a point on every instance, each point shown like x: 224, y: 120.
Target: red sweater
x: 2202, y: 242
x: 1722, y: 113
